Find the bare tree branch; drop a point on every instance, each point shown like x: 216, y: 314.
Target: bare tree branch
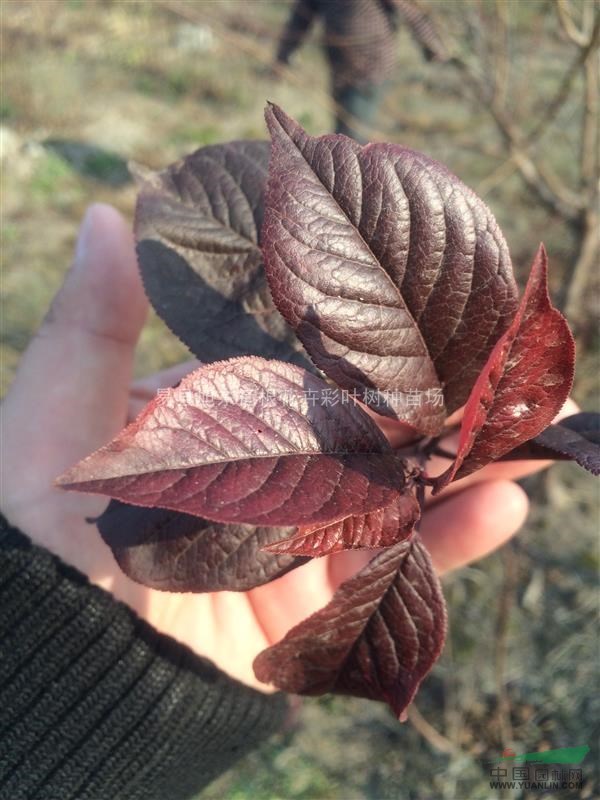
x: 563, y: 92
x: 589, y: 132
x: 501, y: 47
x: 578, y: 280
x: 437, y: 740
x: 546, y: 186
x: 565, y: 15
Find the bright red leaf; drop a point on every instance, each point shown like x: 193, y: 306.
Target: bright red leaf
x: 380, y: 528
x: 524, y: 384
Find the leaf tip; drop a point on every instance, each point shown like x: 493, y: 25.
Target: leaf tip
x: 142, y: 175
x: 261, y: 667
x: 278, y: 121
x: 270, y: 109
x: 65, y: 479
x: 540, y: 263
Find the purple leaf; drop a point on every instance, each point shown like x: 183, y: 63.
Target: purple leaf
x: 380, y: 528
x: 378, y: 637
x: 250, y: 441
x: 523, y: 386
x: 393, y: 274
x: 177, y: 552
x: 576, y: 438
x: 197, y: 226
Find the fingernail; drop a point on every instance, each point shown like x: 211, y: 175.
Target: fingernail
x: 84, y: 239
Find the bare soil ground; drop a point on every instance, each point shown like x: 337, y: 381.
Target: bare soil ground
x: 86, y: 86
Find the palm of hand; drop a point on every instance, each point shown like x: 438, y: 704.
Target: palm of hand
x: 73, y: 393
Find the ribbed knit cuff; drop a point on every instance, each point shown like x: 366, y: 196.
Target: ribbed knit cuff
x: 96, y: 705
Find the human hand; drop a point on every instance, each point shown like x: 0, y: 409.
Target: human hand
x: 73, y: 393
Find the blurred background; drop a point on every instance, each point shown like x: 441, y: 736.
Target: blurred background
x: 505, y: 94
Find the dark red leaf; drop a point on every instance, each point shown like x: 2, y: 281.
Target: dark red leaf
x: 243, y: 441
x: 378, y: 637
x: 198, y: 228
x: 576, y: 438
x: 393, y: 274
x: 380, y: 528
x: 178, y: 552
x: 523, y: 386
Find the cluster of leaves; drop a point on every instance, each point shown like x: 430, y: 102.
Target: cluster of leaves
x: 394, y: 278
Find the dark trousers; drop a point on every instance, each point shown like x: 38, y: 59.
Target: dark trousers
x: 356, y: 108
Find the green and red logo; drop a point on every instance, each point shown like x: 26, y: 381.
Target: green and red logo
x: 562, y: 755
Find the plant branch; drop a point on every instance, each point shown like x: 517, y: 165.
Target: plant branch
x: 507, y: 598
x: 589, y: 133
x: 568, y: 25
x: 554, y: 106
x: 501, y: 59
x: 437, y: 740
x: 587, y: 261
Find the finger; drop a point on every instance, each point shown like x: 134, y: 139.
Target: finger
x: 492, y: 480
x: 344, y: 565
x: 500, y: 470
x: 71, y: 389
x: 285, y: 602
x: 470, y: 524
x: 397, y: 433
x: 166, y: 377
x: 465, y: 527
x: 143, y: 390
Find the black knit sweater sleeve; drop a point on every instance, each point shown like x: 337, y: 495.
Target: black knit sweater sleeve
x: 96, y: 705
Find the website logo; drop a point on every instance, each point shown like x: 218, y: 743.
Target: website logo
x: 545, y: 770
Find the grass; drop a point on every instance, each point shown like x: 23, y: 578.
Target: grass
x: 51, y: 177
x: 7, y: 110
x: 113, y: 79
x: 192, y: 137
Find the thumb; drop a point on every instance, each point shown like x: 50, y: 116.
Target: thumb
x: 71, y: 389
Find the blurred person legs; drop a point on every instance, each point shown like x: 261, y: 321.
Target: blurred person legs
x: 356, y: 109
